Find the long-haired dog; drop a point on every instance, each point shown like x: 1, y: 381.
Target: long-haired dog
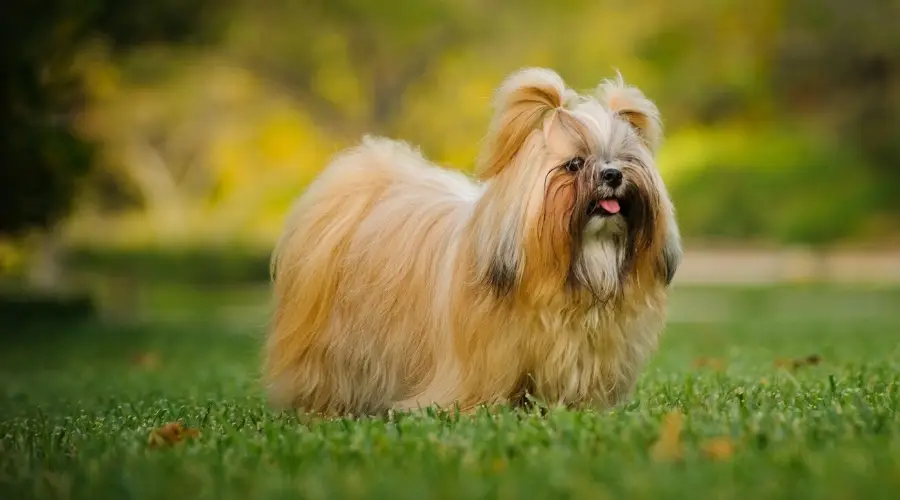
x: 399, y: 284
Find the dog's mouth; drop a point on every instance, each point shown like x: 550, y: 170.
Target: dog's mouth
x: 607, y: 207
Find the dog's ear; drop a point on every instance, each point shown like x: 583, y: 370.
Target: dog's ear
x: 503, y: 266
x: 633, y: 106
x: 498, y: 247
x: 521, y: 103
x: 672, y: 254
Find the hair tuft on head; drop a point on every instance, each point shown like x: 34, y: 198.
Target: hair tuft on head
x: 634, y: 107
x: 521, y: 103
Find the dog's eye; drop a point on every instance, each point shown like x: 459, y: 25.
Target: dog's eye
x: 575, y: 164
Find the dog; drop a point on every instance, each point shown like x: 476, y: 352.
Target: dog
x: 399, y: 284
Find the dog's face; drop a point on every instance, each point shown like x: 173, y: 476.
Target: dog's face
x: 594, y: 210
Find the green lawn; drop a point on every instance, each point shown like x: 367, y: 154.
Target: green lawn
x: 77, y: 406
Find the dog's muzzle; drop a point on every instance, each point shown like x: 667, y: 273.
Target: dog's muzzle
x: 609, y: 196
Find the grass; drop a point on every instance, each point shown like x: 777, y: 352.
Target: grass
x: 79, y: 402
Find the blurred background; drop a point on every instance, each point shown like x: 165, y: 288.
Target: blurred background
x: 151, y: 148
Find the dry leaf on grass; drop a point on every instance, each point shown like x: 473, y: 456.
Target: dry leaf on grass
x: 784, y: 363
x: 813, y: 359
x: 793, y: 364
x: 147, y: 360
x: 717, y: 364
x: 669, y: 447
x: 171, y: 433
x: 718, y: 449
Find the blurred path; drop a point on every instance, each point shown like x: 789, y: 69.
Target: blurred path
x: 740, y: 267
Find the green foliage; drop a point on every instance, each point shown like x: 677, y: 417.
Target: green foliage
x: 79, y: 403
x: 772, y: 184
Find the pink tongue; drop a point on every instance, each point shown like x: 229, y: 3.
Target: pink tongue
x: 610, y: 205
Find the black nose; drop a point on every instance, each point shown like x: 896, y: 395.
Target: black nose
x: 612, y: 177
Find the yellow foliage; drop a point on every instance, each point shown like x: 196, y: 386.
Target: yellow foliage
x: 12, y: 257
x: 336, y: 81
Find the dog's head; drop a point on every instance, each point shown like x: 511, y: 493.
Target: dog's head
x: 574, y: 197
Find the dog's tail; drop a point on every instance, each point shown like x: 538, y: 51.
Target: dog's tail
x: 306, y: 267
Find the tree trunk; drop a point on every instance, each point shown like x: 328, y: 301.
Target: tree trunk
x: 45, y: 264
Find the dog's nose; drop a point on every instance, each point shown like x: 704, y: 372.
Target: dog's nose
x: 612, y: 177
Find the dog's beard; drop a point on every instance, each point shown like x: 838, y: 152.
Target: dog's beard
x: 606, y: 247
x: 598, y: 265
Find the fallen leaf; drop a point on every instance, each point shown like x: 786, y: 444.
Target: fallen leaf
x: 147, y: 360
x: 668, y: 446
x: 171, y: 433
x: 718, y: 449
x: 717, y: 364
x: 793, y: 364
x: 813, y: 359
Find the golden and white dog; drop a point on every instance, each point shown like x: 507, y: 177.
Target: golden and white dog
x: 399, y: 284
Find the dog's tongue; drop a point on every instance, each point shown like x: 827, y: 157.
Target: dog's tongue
x: 610, y: 205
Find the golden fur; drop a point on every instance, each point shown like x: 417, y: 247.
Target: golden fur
x: 399, y: 284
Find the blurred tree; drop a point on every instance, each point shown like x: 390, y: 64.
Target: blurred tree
x: 197, y: 153
x: 42, y: 93
x: 44, y: 159
x: 352, y: 63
